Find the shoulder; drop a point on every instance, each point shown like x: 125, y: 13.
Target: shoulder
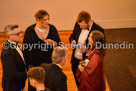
x: 97, y: 27
x: 97, y: 56
x: 52, y: 26
x: 61, y: 76
x: 7, y: 47
x: 6, y: 53
x: 77, y: 26
x: 30, y: 28
x: 45, y: 66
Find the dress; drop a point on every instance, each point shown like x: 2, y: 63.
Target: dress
x: 92, y: 78
x: 35, y: 52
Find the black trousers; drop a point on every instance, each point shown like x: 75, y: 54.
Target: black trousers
x: 75, y: 63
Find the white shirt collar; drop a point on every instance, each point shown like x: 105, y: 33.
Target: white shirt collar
x: 58, y: 65
x: 12, y: 42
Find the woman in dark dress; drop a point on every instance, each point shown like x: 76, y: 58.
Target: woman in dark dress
x: 39, y: 40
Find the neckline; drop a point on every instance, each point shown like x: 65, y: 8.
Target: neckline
x: 37, y: 35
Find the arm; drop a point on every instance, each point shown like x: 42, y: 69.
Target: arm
x: 54, y: 38
x: 93, y: 63
x: 62, y: 84
x: 72, y: 36
x: 9, y: 64
x: 27, y: 40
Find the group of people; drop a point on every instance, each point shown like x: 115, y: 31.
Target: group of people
x: 43, y: 65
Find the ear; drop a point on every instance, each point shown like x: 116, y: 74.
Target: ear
x: 32, y: 82
x: 10, y: 37
x: 37, y: 19
x: 90, y: 22
x: 63, y: 61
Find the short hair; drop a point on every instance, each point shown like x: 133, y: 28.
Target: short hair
x: 37, y: 73
x: 58, y: 54
x: 10, y: 27
x: 40, y: 14
x: 98, y: 36
x: 84, y: 16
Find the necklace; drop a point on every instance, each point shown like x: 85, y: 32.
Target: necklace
x: 41, y: 30
x: 90, y: 51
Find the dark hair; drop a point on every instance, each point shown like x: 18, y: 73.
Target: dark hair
x: 40, y: 14
x: 84, y: 16
x: 98, y: 36
x: 37, y: 73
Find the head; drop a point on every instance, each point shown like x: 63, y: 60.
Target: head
x: 42, y: 18
x: 97, y: 36
x: 36, y: 75
x: 13, y: 32
x: 59, y: 55
x: 84, y: 19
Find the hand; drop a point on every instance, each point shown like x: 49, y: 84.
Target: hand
x: 83, y: 49
x: 73, y: 42
x: 81, y: 68
x: 50, y: 41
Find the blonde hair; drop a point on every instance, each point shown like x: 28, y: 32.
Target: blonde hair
x: 58, y: 54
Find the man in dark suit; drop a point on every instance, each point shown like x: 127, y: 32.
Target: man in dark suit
x: 55, y: 79
x: 13, y: 63
x: 83, y: 27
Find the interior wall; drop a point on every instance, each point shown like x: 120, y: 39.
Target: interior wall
x: 63, y: 13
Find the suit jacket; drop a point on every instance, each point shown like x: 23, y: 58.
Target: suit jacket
x: 76, y: 33
x: 55, y: 79
x: 14, y: 70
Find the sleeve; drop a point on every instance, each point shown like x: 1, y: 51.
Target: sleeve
x: 62, y: 84
x: 72, y: 36
x: 55, y: 35
x: 78, y: 75
x: 9, y: 64
x: 93, y: 63
x: 26, y: 50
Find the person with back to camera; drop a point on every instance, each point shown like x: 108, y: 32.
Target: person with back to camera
x: 55, y: 79
x: 79, y: 37
x: 90, y: 73
x: 36, y: 75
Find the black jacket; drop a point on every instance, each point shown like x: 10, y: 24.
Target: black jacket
x: 55, y: 79
x: 14, y: 69
x: 76, y: 33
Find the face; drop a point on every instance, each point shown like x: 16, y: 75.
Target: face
x: 15, y: 35
x: 44, y: 22
x: 83, y: 25
x: 90, y: 40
